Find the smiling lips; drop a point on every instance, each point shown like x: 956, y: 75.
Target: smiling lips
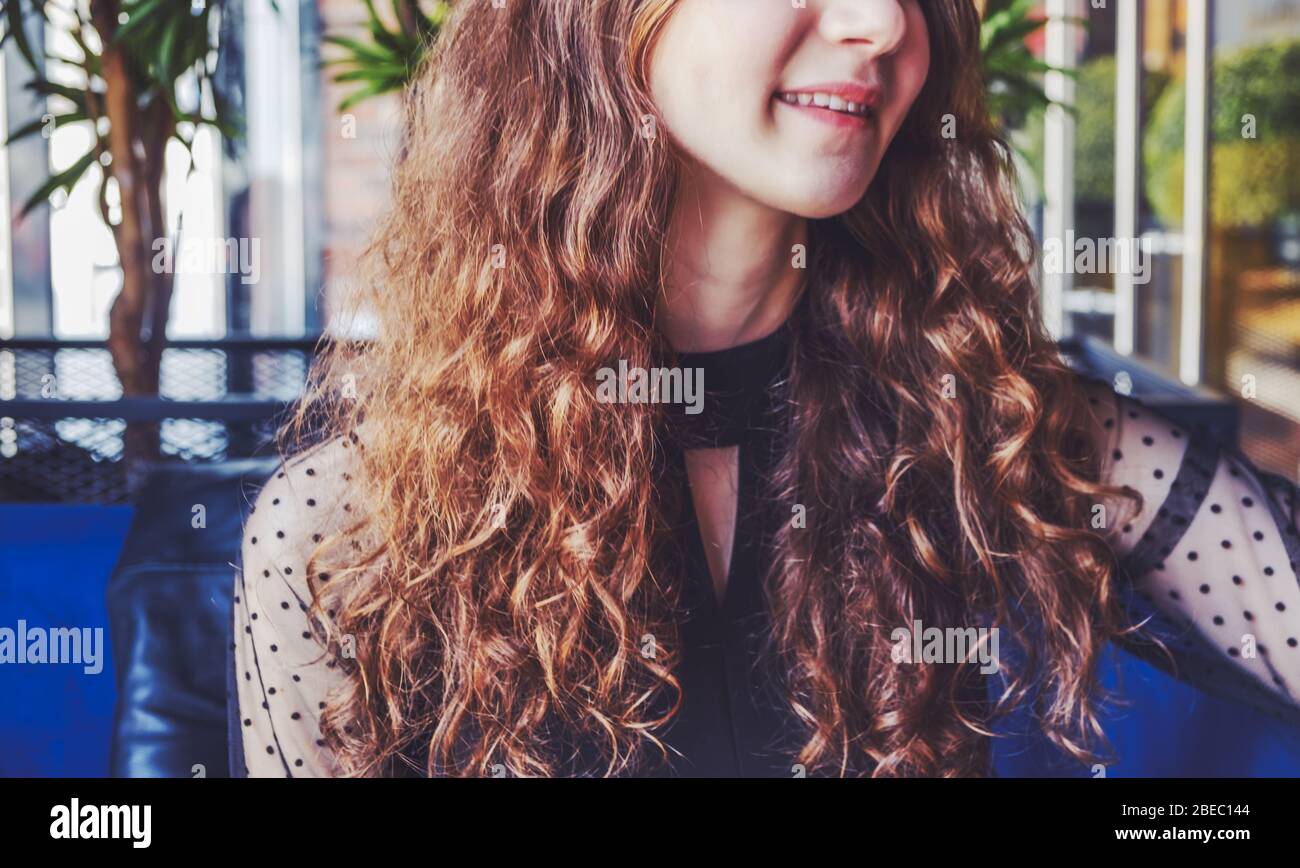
x: 841, y: 104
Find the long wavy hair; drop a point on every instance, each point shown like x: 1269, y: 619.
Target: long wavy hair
x: 515, y: 527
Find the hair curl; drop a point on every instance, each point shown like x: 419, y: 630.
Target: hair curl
x: 516, y: 526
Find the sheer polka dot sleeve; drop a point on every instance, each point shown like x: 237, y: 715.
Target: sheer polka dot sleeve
x: 1210, y: 561
x: 283, y: 672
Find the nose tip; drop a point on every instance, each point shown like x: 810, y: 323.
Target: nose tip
x: 879, y: 24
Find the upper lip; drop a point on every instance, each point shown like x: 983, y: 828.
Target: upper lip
x: 849, y: 91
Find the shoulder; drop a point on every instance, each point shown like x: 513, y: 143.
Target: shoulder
x: 307, y: 517
x: 1142, y: 449
x: 307, y: 498
x: 285, y: 671
x: 1132, y: 433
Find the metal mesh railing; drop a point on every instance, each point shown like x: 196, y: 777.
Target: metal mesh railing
x: 64, y: 422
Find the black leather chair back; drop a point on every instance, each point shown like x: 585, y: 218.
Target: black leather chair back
x: 169, y: 610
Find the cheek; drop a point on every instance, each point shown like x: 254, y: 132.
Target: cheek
x: 912, y: 67
x: 712, y: 70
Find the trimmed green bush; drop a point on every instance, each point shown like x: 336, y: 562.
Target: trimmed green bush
x: 1094, y: 135
x: 1254, y: 181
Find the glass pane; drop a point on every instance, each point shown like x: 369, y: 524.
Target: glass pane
x: 1253, y: 284
x: 1090, y: 304
x: 83, y: 255
x: 1160, y: 213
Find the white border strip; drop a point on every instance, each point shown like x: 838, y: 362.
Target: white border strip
x: 1196, y: 189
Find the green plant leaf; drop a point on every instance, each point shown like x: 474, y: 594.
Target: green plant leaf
x: 38, y: 124
x: 141, y: 16
x: 45, y: 87
x: 65, y: 180
x: 387, y: 60
x: 13, y: 11
x: 359, y: 49
x: 364, y: 94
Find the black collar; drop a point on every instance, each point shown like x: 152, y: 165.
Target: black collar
x: 742, y: 385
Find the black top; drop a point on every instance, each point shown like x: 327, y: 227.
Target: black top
x: 734, y: 720
x: 1211, y: 559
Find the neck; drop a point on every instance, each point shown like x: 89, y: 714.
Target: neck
x: 729, y: 275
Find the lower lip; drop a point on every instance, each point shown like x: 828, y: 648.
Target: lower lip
x: 828, y: 116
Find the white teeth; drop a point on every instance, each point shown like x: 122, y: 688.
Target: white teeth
x: 825, y: 100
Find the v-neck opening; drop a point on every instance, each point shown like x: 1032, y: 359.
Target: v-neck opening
x: 723, y: 604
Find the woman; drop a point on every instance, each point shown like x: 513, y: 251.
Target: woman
x: 484, y: 565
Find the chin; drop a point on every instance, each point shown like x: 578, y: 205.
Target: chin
x: 819, y: 203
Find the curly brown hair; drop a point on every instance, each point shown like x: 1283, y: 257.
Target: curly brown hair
x: 516, y: 523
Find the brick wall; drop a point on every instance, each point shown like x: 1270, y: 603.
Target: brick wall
x: 359, y: 148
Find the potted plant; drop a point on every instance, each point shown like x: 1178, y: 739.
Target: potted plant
x: 134, y: 65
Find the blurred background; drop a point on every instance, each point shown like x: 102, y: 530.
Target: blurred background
x: 189, y: 182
